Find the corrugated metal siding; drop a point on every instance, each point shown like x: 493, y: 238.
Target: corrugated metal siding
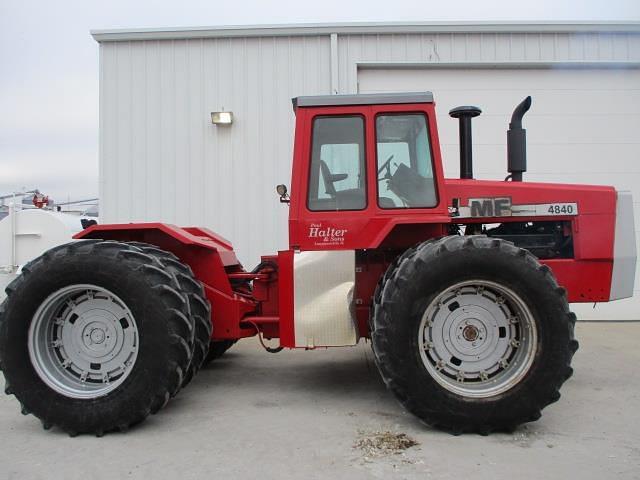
x: 162, y: 159
x: 517, y: 48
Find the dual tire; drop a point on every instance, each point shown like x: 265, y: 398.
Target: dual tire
x: 96, y: 335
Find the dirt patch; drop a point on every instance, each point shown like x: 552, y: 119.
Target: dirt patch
x: 377, y: 444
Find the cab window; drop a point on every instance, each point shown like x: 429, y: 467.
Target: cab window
x: 337, y: 177
x: 404, y: 164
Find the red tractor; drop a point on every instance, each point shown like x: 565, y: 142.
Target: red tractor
x: 462, y: 285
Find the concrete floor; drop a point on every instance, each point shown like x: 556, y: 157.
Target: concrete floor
x: 298, y: 414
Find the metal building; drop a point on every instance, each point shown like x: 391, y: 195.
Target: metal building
x: 161, y: 158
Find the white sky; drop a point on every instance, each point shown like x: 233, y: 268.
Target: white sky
x: 49, y: 63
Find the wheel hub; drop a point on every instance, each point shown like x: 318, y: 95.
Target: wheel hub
x: 473, y: 342
x: 83, y: 341
x: 97, y: 335
x: 470, y: 333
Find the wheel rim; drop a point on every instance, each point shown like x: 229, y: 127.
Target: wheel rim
x: 477, y: 338
x: 83, y: 341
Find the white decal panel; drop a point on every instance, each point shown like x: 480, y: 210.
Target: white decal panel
x: 502, y: 207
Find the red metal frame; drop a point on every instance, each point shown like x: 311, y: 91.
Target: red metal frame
x: 378, y: 235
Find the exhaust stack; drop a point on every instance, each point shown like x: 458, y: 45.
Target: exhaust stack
x: 465, y: 114
x: 517, y: 142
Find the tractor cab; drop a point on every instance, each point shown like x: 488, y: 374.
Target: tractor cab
x: 359, y: 160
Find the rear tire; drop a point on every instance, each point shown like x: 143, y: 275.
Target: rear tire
x: 45, y: 352
x: 472, y: 334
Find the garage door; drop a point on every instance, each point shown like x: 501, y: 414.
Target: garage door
x: 583, y: 127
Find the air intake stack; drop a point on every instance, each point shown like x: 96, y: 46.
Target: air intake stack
x: 517, y: 142
x: 464, y: 115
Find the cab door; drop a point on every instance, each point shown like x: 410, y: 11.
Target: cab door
x: 331, y: 188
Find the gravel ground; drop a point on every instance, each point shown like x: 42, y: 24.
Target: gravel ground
x: 326, y: 414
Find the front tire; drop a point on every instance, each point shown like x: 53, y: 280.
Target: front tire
x: 472, y: 334
x: 94, y: 336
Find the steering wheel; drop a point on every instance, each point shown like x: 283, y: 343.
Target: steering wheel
x: 387, y: 165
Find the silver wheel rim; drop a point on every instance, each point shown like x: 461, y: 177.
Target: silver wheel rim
x: 477, y: 338
x: 83, y: 341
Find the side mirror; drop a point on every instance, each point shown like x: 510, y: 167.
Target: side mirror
x: 282, y: 191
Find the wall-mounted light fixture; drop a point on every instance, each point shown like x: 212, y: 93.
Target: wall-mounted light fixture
x: 222, y: 118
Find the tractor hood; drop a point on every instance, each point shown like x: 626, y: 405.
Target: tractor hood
x: 527, y: 198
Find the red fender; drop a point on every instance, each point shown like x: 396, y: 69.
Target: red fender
x: 210, y: 256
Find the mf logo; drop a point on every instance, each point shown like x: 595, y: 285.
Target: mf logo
x: 490, y: 207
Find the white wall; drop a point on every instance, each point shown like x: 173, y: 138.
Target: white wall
x: 491, y: 49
